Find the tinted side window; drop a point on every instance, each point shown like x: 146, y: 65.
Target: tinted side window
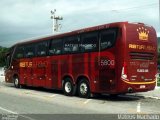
x: 41, y: 48
x: 19, y: 53
x: 71, y: 45
x: 55, y: 47
x: 108, y: 38
x: 30, y: 50
x: 90, y: 42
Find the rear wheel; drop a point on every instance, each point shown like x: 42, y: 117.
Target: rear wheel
x: 16, y: 82
x: 68, y: 87
x: 84, y: 89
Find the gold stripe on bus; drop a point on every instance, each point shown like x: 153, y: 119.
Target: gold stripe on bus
x: 139, y: 83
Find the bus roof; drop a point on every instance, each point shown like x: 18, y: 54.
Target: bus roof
x: 89, y: 29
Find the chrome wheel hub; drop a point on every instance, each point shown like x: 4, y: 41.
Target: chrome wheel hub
x: 16, y: 81
x: 68, y: 87
x: 83, y: 88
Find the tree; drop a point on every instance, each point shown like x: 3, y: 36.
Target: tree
x: 3, y: 51
x: 158, y: 50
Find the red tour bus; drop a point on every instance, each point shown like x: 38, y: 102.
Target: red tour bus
x: 113, y: 58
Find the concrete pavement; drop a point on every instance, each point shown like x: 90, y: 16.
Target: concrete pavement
x: 2, y: 79
x: 151, y: 94
x: 37, y: 101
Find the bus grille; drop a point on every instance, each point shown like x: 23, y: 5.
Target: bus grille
x: 141, y: 56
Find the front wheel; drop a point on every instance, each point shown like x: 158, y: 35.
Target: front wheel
x: 84, y: 89
x: 16, y: 82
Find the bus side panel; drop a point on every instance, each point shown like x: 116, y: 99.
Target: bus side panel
x: 102, y: 67
x: 120, y: 55
x: 39, y: 71
x: 26, y: 71
x: 79, y: 65
x: 22, y: 74
x: 94, y: 72
x: 55, y: 71
x: 49, y: 81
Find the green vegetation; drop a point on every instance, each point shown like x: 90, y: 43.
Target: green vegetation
x: 3, y: 51
x: 158, y: 50
x: 158, y: 81
x: 158, y: 84
x: 158, y: 58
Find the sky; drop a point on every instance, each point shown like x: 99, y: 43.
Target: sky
x: 23, y: 19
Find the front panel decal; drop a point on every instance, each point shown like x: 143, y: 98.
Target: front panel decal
x: 143, y: 33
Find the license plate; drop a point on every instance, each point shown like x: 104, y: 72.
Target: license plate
x: 142, y: 86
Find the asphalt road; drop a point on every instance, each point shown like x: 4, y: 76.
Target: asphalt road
x: 42, y: 104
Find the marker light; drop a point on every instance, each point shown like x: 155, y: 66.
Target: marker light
x: 124, y: 71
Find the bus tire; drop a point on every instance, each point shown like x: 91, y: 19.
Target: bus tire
x: 68, y: 87
x: 113, y: 95
x: 84, y: 89
x: 16, y: 82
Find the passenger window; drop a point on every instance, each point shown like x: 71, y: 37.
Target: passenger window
x: 55, y: 47
x: 108, y: 38
x: 41, y: 48
x: 90, y: 42
x: 30, y: 51
x: 71, y: 45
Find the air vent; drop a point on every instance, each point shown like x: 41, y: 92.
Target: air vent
x: 141, y: 56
